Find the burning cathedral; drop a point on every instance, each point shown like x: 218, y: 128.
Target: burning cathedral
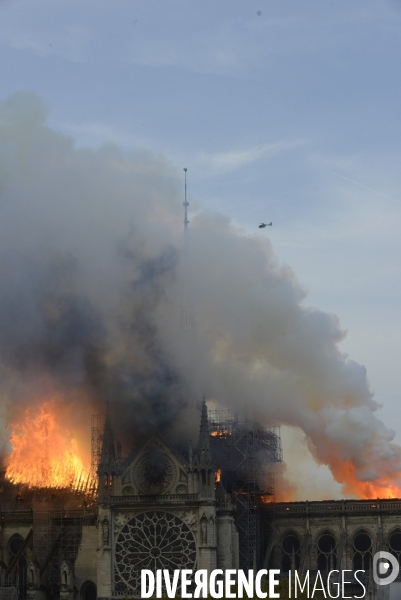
x: 210, y: 506
x: 153, y: 509
x: 157, y: 508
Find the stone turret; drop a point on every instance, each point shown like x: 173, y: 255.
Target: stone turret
x: 205, y: 459
x: 203, y: 464
x: 108, y: 467
x: 227, y: 549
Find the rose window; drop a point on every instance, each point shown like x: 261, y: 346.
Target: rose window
x: 154, y: 473
x: 152, y: 540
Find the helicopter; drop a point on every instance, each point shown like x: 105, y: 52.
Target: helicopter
x: 262, y: 225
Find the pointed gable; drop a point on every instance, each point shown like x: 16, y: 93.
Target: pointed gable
x: 155, y: 469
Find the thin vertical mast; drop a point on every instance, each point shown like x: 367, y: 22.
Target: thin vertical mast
x: 186, y: 317
x: 185, y: 311
x: 185, y: 203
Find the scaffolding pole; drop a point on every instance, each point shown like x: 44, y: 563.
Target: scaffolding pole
x: 57, y: 534
x: 245, y: 452
x: 95, y: 449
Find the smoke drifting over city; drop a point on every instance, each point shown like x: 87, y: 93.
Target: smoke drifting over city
x: 92, y: 296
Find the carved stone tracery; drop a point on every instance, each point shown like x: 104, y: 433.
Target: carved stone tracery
x: 151, y: 540
x: 155, y: 471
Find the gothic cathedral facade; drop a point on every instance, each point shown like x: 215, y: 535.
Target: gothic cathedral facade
x: 159, y: 510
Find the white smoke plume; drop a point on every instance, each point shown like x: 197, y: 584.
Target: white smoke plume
x: 91, y: 299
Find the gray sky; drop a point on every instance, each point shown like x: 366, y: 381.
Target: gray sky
x: 281, y: 110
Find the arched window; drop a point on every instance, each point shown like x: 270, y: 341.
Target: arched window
x: 291, y: 553
x: 362, y: 555
x: 14, y: 544
x: 327, y: 552
x: 88, y: 591
x: 394, y: 544
x: 18, y: 574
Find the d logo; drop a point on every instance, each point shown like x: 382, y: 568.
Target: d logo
x: 381, y: 565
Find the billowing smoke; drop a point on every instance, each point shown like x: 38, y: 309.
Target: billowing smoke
x: 92, y: 285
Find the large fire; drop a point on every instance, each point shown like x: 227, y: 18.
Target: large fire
x: 384, y: 487
x: 44, y: 452
x: 50, y: 448
x: 352, y: 487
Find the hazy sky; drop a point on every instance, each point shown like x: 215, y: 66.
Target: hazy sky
x: 282, y: 110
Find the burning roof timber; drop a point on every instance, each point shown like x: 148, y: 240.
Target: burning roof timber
x: 21, y: 498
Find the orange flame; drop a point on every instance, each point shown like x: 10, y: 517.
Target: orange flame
x: 221, y: 433
x: 44, y: 453
x: 217, y: 477
x: 352, y: 487
x: 384, y: 487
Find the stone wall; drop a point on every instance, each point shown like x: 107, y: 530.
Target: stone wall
x: 341, y: 535
x: 86, y: 561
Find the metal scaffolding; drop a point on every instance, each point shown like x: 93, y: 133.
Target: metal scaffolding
x: 55, y: 518
x: 95, y: 446
x: 244, y: 452
x: 57, y: 534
